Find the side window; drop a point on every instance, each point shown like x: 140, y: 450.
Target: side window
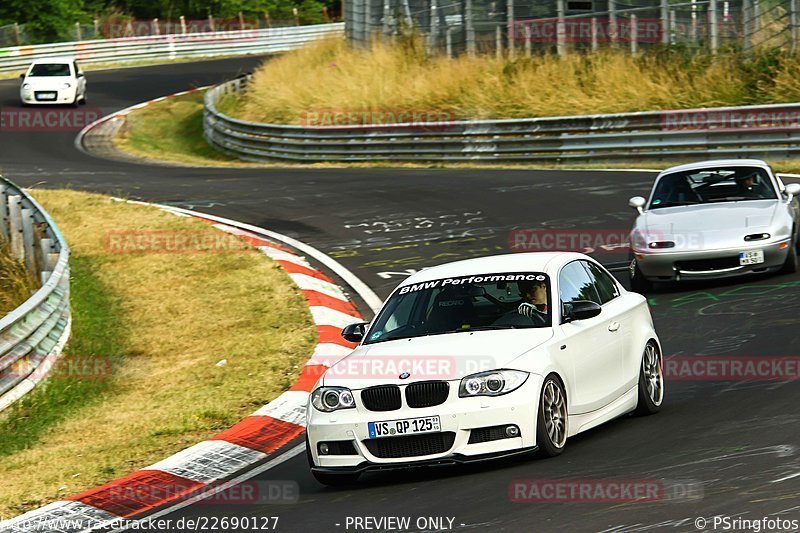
x: 574, y: 284
x: 606, y: 287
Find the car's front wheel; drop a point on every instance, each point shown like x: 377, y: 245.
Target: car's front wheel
x: 332, y: 480
x: 551, y: 426
x: 790, y: 264
x: 651, y: 381
x: 639, y: 283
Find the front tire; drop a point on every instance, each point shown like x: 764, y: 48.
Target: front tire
x: 551, y: 425
x: 639, y: 283
x: 331, y: 480
x: 790, y: 265
x: 651, y: 381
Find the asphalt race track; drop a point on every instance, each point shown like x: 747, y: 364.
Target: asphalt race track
x: 738, y: 441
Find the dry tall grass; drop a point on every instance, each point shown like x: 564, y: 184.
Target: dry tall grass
x: 329, y: 75
x: 16, y: 283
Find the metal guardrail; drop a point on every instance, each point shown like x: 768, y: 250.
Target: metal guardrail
x: 33, y: 334
x: 171, y: 46
x: 627, y: 137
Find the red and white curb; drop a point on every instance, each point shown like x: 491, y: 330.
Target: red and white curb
x: 212, y: 464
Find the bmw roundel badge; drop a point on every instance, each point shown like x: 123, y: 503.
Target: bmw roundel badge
x: 405, y: 375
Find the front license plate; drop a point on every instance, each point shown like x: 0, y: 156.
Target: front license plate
x: 751, y: 258
x: 46, y: 96
x: 408, y: 426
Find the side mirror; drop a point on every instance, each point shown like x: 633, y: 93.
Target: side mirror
x: 637, y: 202
x: 22, y: 76
x: 793, y: 189
x: 79, y: 75
x: 580, y: 310
x: 355, y: 332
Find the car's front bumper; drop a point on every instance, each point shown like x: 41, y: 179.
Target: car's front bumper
x: 457, y: 415
x: 671, y: 266
x: 63, y: 96
x: 455, y: 459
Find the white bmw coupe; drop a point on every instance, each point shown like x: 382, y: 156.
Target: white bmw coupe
x: 485, y: 358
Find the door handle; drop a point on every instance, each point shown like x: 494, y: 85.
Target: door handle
x: 614, y: 326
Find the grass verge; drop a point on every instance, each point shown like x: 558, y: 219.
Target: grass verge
x: 16, y: 283
x: 142, y: 377
x: 172, y: 131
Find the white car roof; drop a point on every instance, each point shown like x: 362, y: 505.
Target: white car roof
x: 545, y: 262
x: 716, y: 163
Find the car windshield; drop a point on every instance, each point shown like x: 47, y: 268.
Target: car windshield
x: 50, y: 69
x: 464, y: 304
x: 712, y: 185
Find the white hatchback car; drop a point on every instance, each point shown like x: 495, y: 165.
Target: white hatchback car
x: 53, y: 81
x: 485, y: 358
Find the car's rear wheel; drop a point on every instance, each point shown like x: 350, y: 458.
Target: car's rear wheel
x: 551, y: 426
x: 639, y: 283
x: 332, y: 480
x: 651, y: 381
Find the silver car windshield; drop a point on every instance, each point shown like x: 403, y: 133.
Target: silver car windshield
x: 712, y: 185
x: 463, y: 304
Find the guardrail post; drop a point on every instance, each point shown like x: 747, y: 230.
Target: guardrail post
x: 498, y: 40
x: 561, y: 38
x: 470, y: 28
x: 528, y: 40
x: 27, y: 240
x: 155, y: 30
x: 296, y: 14
x: 664, y: 21
x: 16, y: 34
x: 241, y: 21
x: 448, y: 37
x: 267, y: 20
x: 15, y: 227
x: 49, y: 258
x: 712, y: 26
x: 96, y: 24
x: 78, y: 31
x: 4, y: 229
x: 434, y: 26
x: 387, y: 11
x: 747, y: 26
x: 595, y: 43
x: 510, y: 27
x: 634, y: 35
x: 673, y: 26
x: 613, y: 35
x: 183, y: 25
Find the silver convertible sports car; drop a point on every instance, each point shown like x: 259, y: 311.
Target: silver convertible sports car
x: 714, y: 219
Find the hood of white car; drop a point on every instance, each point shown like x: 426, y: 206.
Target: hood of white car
x: 449, y: 356
x: 707, y: 226
x: 49, y: 83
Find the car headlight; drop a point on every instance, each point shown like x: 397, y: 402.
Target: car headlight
x: 26, y: 85
x: 329, y: 399
x: 66, y: 86
x: 493, y: 383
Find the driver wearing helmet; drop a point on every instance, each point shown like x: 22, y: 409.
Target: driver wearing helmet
x: 534, y: 294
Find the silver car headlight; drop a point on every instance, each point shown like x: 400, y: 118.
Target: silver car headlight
x: 492, y: 383
x: 329, y: 399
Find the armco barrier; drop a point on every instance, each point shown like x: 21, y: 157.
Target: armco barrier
x: 32, y: 335
x: 171, y: 46
x: 769, y: 132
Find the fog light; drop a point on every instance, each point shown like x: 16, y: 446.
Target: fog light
x: 323, y: 448
x: 783, y: 245
x: 512, y: 431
